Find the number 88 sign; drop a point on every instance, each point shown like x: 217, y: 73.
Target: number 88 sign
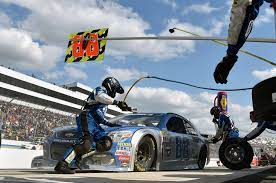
x: 91, y: 49
x: 81, y: 48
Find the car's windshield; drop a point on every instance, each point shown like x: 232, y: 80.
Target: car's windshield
x: 138, y: 119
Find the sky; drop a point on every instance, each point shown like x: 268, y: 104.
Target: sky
x: 34, y: 37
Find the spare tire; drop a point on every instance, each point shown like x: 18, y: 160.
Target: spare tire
x: 236, y: 154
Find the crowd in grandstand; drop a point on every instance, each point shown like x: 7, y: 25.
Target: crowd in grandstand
x: 25, y: 123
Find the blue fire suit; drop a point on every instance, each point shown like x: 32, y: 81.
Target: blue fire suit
x: 243, y: 13
x: 88, y: 122
x: 226, y: 128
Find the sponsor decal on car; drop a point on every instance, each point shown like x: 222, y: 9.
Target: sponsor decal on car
x: 123, y: 149
x: 120, y: 136
x: 69, y: 135
x: 122, y: 153
x: 64, y: 140
x: 124, y: 160
x: 124, y: 144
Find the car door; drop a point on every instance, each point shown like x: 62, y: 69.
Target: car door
x: 175, y: 144
x: 195, y: 140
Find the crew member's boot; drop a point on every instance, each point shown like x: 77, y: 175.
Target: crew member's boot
x: 63, y: 168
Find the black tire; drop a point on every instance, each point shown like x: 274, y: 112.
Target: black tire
x: 202, y: 158
x: 236, y: 154
x: 145, y: 155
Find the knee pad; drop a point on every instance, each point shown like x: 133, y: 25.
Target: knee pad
x: 104, y: 144
x: 83, y: 146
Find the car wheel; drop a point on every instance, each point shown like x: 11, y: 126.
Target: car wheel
x: 202, y: 158
x: 145, y: 155
x: 236, y: 154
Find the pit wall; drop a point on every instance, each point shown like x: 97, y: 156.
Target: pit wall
x: 13, y: 157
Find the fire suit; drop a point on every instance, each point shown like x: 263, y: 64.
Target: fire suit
x: 243, y: 13
x: 88, y: 122
x: 225, y: 128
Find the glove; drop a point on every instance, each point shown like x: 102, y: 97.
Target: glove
x: 215, y: 120
x: 224, y: 67
x: 273, y: 5
x: 114, y: 125
x: 214, y: 140
x: 123, y: 106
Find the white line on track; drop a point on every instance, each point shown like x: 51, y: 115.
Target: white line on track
x: 46, y: 180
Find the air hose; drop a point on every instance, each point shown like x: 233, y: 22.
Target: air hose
x: 183, y: 83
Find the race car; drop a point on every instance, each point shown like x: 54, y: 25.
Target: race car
x: 145, y: 141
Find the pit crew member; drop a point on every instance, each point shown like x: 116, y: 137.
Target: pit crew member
x: 89, y: 120
x: 243, y: 13
x: 225, y: 126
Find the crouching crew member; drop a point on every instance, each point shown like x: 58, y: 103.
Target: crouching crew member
x: 225, y: 126
x: 89, y: 120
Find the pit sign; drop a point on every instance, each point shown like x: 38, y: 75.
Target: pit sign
x: 84, y: 46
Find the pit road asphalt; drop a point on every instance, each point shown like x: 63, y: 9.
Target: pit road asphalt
x: 212, y: 175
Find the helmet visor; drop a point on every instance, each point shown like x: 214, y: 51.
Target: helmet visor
x: 120, y: 89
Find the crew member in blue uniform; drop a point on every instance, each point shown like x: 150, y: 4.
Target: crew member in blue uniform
x: 225, y: 126
x: 243, y: 14
x: 89, y: 120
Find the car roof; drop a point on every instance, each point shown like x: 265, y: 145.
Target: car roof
x: 149, y: 113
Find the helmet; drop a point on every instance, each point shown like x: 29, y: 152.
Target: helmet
x: 112, y: 86
x: 215, y: 111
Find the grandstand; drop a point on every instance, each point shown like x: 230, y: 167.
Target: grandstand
x: 67, y: 98
x: 30, y: 108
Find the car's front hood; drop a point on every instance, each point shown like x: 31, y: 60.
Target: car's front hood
x: 127, y: 128
x: 68, y: 131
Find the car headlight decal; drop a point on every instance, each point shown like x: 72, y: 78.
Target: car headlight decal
x: 120, y: 136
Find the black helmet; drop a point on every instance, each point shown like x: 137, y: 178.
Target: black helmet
x: 112, y: 86
x: 215, y: 111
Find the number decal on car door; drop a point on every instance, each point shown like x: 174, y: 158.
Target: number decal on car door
x: 182, y: 148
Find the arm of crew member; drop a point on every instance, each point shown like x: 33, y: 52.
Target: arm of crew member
x: 219, y: 133
x: 104, y: 99
x: 99, y: 116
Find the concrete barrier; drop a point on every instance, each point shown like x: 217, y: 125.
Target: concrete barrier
x: 17, y: 158
x: 12, y: 156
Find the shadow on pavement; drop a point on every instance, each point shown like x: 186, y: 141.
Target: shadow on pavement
x: 188, y: 176
x: 267, y: 176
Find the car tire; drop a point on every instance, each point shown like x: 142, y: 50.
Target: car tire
x: 202, y: 158
x: 236, y: 154
x: 145, y: 154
